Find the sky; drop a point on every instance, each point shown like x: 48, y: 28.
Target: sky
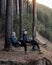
x: 47, y: 3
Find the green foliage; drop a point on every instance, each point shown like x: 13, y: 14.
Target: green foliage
x: 44, y: 21
x: 16, y: 24
x: 27, y: 23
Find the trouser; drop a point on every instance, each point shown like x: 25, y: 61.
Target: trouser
x: 35, y: 43
x: 32, y: 42
x: 23, y: 43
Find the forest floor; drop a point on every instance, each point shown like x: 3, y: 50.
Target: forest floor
x: 18, y: 54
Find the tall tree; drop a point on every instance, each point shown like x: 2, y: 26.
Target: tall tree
x: 17, y: 6
x: 20, y: 18
x: 2, y: 6
x: 9, y: 21
x: 14, y: 5
x: 34, y: 21
x: 27, y: 6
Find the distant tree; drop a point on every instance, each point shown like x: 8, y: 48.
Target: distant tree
x: 8, y: 24
x: 14, y: 5
x: 27, y: 6
x: 17, y: 6
x: 20, y: 18
x: 2, y: 6
x: 46, y: 21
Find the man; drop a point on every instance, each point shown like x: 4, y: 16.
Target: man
x: 16, y: 42
x: 25, y: 36
x: 27, y: 40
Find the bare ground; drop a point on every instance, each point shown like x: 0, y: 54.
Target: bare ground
x: 18, y: 53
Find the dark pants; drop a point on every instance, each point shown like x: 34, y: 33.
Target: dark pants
x: 32, y: 42
x: 23, y: 43
x: 35, y: 43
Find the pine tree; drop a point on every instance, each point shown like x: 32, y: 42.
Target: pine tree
x: 34, y: 21
x: 9, y: 21
x: 20, y: 18
x: 2, y: 6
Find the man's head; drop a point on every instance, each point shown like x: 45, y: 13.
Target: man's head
x: 25, y: 32
x: 13, y: 34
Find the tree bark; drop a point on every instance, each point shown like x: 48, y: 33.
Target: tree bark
x: 27, y: 6
x: 14, y: 5
x: 2, y: 6
x: 34, y: 21
x: 17, y: 7
x: 9, y: 23
x: 20, y: 18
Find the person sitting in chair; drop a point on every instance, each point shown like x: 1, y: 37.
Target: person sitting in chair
x: 16, y: 42
x: 25, y: 36
x: 32, y: 42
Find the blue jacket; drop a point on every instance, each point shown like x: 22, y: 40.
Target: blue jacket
x: 14, y: 41
x: 25, y: 37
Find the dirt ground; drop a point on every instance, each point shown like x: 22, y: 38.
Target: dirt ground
x: 18, y: 54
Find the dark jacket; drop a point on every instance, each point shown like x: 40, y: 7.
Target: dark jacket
x: 14, y: 41
x: 25, y: 37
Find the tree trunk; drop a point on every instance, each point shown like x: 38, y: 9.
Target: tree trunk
x: 14, y: 5
x: 2, y: 6
x: 5, y: 6
x: 9, y: 25
x: 34, y: 23
x: 20, y: 18
x: 27, y: 7
x: 17, y: 7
